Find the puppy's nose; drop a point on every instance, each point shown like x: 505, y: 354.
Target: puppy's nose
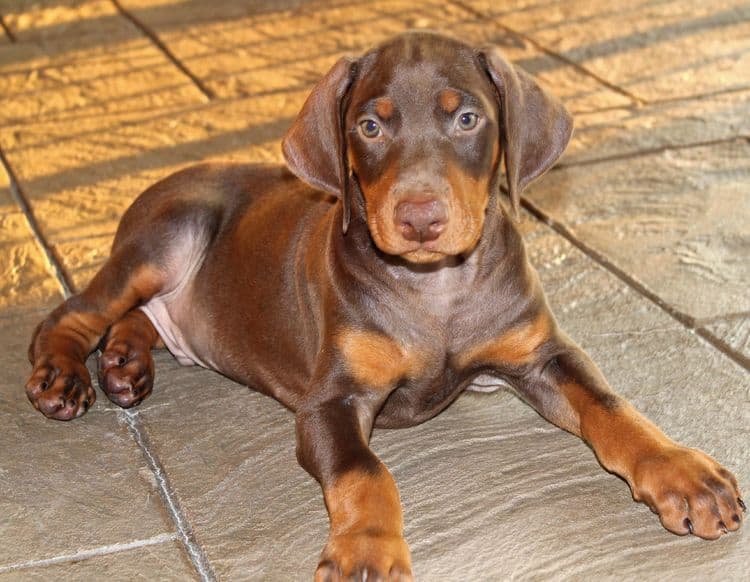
x: 421, y: 219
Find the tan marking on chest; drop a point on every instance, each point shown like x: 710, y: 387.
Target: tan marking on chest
x: 374, y: 359
x: 516, y: 346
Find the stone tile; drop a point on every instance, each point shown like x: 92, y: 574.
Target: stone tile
x: 734, y: 331
x: 89, y: 80
x: 89, y: 180
x: 652, y: 49
x: 44, y: 20
x: 483, y: 471
x: 67, y: 487
x: 163, y: 561
x: 25, y: 281
x: 269, y: 42
x: 675, y: 220
x: 629, y: 130
x: 79, y: 72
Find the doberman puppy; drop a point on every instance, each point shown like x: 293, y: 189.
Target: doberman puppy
x: 368, y: 287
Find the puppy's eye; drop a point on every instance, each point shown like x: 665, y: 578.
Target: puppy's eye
x: 468, y: 121
x: 369, y: 128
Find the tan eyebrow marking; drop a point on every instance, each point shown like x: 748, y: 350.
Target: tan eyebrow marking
x: 449, y: 100
x: 384, y: 107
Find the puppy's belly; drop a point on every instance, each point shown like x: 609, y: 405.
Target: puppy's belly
x: 162, y: 313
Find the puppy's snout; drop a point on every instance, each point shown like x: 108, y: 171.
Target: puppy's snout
x: 421, y: 219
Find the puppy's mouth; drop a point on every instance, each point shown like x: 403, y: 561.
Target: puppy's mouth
x: 456, y: 241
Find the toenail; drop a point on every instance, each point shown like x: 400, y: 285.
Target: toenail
x: 723, y: 527
x: 742, y: 505
x: 736, y: 518
x: 121, y: 361
x: 44, y: 385
x: 688, y: 524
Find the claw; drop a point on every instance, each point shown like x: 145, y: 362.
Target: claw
x: 688, y: 524
x: 742, y: 505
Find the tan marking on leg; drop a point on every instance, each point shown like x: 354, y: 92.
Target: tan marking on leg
x: 366, y: 528
x: 516, y: 346
x: 362, y: 502
x: 376, y: 360
x: 143, y: 284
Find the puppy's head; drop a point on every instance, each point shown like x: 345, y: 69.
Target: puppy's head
x: 419, y: 125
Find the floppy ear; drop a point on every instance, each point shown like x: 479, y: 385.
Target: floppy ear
x: 315, y: 146
x: 535, y: 126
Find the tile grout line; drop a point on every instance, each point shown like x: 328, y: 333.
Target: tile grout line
x: 8, y: 32
x: 154, y: 38
x: 688, y: 322
x: 54, y: 263
x: 92, y: 553
x: 647, y: 152
x: 195, y: 553
x: 550, y: 53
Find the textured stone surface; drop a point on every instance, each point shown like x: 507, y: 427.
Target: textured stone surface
x: 67, y: 487
x: 676, y: 221
x: 734, y: 331
x: 45, y: 20
x: 240, y: 50
x: 629, y: 130
x: 162, y: 561
x: 474, y: 478
x: 25, y: 281
x: 653, y: 50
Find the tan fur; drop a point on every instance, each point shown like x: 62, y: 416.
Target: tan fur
x: 384, y: 108
x: 449, y: 100
x: 517, y: 346
x: 377, y: 361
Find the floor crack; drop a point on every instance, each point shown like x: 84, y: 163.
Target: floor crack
x: 53, y: 261
x: 687, y: 321
x: 90, y: 553
x: 184, y: 529
x: 154, y: 38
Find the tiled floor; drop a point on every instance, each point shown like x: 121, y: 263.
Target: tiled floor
x: 641, y: 235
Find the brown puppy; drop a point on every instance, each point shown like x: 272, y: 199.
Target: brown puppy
x: 369, y: 293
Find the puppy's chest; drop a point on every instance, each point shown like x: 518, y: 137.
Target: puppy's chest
x: 423, y: 341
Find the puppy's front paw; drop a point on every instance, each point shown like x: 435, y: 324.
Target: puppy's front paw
x: 689, y: 491
x: 365, y: 557
x: 60, y: 387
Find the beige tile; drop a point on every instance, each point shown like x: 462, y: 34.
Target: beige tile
x: 25, y: 278
x: 44, y: 20
x: 627, y: 131
x: 67, y: 486
x: 241, y: 50
x: 157, y: 561
x: 652, y: 49
x: 676, y: 221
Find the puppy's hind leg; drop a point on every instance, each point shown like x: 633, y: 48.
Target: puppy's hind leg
x: 126, y: 368
x: 60, y: 385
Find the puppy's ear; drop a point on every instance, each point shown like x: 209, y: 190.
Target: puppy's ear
x: 315, y: 146
x: 535, y: 126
